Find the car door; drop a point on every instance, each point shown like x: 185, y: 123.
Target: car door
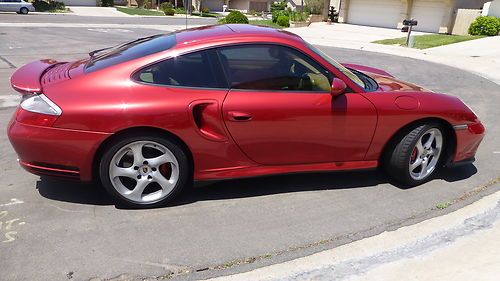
x: 280, y: 111
x: 3, y: 5
x: 13, y: 5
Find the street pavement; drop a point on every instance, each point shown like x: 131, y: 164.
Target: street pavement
x: 61, y: 230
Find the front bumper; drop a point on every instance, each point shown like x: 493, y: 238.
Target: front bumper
x: 55, y: 152
x: 469, y: 137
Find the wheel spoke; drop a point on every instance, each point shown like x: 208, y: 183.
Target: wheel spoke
x: 417, y: 163
x: 165, y: 184
x: 136, y: 193
x: 137, y: 152
x: 430, y: 140
x: 123, y: 172
x: 423, y: 171
x: 157, y: 161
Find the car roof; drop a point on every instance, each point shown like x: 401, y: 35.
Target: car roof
x: 228, y: 32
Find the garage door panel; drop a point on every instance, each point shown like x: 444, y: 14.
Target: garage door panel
x: 375, y: 13
x: 429, y: 15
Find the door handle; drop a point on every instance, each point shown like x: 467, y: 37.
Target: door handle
x: 239, y: 116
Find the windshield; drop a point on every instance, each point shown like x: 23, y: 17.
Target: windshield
x: 132, y: 50
x: 338, y: 66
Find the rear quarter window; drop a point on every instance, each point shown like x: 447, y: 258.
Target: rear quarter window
x: 130, y: 51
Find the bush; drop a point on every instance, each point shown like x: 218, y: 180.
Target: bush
x: 277, y: 14
x: 205, y: 10
x: 169, y: 11
x: 166, y: 5
x: 107, y: 3
x: 278, y: 6
x: 235, y: 17
x: 283, y: 21
x: 43, y: 6
x: 487, y: 25
x: 299, y: 16
x: 314, y: 6
x: 180, y: 10
x: 167, y: 8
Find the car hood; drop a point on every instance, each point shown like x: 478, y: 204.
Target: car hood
x: 386, y: 81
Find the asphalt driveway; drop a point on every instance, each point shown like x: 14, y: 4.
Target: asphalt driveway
x: 59, y: 231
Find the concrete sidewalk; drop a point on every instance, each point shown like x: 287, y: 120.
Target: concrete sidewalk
x: 480, y: 56
x: 96, y: 11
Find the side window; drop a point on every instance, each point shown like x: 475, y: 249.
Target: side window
x: 189, y: 70
x: 272, y: 67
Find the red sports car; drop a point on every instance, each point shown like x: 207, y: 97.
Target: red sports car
x: 148, y: 117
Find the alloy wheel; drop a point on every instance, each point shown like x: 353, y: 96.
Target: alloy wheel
x: 144, y: 171
x: 425, y: 154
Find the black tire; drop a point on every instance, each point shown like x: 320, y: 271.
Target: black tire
x: 398, y: 157
x: 183, y: 182
x: 24, y: 11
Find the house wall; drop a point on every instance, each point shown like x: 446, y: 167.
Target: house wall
x: 494, y: 9
x: 239, y: 4
x: 79, y: 2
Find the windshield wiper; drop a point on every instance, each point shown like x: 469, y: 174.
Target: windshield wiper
x: 91, y: 54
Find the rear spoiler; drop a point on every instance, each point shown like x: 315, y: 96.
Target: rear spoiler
x: 26, y: 79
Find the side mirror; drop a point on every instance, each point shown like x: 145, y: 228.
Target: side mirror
x: 338, y: 87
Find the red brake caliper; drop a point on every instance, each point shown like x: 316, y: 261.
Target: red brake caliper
x: 413, y: 155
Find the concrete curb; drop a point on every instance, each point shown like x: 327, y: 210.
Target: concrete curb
x: 354, y: 259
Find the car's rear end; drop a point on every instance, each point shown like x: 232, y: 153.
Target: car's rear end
x: 43, y: 148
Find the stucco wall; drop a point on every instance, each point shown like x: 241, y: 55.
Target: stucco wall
x: 494, y: 9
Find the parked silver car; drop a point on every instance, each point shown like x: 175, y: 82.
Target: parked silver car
x: 18, y: 6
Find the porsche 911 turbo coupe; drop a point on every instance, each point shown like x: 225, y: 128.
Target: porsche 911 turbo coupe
x: 148, y: 117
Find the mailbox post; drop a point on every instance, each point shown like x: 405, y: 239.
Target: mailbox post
x: 407, y: 27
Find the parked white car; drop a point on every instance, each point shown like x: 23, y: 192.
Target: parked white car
x: 18, y: 6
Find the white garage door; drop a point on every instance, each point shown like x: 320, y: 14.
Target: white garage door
x: 429, y: 15
x: 385, y: 13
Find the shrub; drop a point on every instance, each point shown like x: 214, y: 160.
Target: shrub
x: 169, y: 11
x: 314, y: 6
x: 43, y: 6
x: 299, y: 16
x: 205, y: 10
x: 107, y: 3
x: 278, y: 6
x: 235, y: 17
x: 167, y: 8
x: 166, y: 5
x: 283, y: 21
x: 180, y: 10
x: 487, y: 25
x: 277, y: 14
x: 148, y: 4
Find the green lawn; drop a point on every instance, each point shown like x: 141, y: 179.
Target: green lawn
x: 265, y: 23
x: 429, y: 41
x: 139, y: 11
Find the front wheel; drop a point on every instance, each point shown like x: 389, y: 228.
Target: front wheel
x: 144, y: 171
x: 24, y: 11
x: 416, y: 157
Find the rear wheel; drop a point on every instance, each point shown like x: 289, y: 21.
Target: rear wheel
x: 24, y: 11
x: 144, y: 171
x: 416, y: 157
